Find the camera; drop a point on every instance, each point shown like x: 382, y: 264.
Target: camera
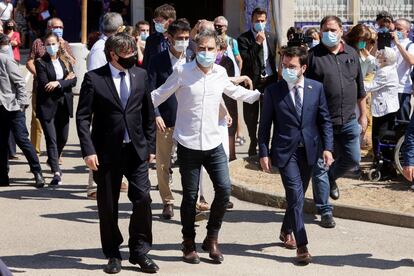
x: 299, y: 39
x: 384, y: 40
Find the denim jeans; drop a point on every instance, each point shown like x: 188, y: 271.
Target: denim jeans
x: 215, y: 163
x: 347, y: 155
x: 14, y: 123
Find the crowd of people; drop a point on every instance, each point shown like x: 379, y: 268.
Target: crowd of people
x: 147, y: 95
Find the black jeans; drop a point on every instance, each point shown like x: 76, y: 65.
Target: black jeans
x: 56, y: 133
x: 15, y: 122
x: 215, y: 163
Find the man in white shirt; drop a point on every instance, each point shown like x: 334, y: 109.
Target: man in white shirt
x: 198, y: 87
x: 6, y: 10
x: 110, y: 25
x: 96, y: 59
x: 405, y: 60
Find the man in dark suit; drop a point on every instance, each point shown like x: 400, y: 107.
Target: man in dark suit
x: 116, y: 98
x: 258, y: 50
x: 160, y: 68
x: 297, y: 108
x: 157, y: 42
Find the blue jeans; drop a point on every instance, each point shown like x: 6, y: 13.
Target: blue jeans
x: 215, y: 163
x: 15, y: 122
x: 347, y: 155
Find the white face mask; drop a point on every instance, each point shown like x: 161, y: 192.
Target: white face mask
x: 181, y: 45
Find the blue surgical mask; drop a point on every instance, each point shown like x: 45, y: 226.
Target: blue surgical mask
x: 159, y: 27
x: 330, y: 39
x: 361, y: 45
x: 52, y: 49
x: 58, y: 32
x: 400, y: 35
x: 314, y: 43
x: 206, y: 59
x: 258, y: 27
x: 290, y: 75
x: 383, y: 30
x: 144, y: 36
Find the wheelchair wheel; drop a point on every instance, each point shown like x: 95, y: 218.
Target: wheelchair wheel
x: 398, y: 155
x: 374, y: 175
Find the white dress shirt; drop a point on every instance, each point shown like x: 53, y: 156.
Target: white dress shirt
x: 384, y: 89
x: 268, y: 68
x: 177, y: 61
x: 117, y: 79
x: 96, y: 57
x: 58, y: 69
x: 404, y: 68
x: 300, y: 85
x: 199, y: 95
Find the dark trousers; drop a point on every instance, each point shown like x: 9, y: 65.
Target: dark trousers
x: 56, y: 133
x: 108, y: 178
x: 403, y: 114
x: 295, y: 177
x: 12, y: 145
x: 215, y: 163
x: 380, y: 126
x: 251, y: 114
x: 15, y: 122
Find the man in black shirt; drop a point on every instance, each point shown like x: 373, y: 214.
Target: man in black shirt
x: 337, y: 66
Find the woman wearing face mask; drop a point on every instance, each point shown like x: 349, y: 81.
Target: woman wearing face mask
x: 55, y: 79
x: 14, y: 36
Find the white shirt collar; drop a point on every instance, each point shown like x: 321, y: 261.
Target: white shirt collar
x: 115, y: 72
x: 300, y: 84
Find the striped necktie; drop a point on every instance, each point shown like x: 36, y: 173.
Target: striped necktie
x: 298, y: 102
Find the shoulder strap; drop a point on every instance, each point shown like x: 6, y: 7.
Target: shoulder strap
x: 408, y: 45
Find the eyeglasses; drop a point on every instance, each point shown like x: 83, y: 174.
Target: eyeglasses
x: 57, y: 27
x: 158, y: 21
x: 219, y: 26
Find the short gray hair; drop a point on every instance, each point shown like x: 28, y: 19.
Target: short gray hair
x: 206, y: 34
x: 406, y: 22
x: 389, y: 55
x: 111, y: 22
x: 50, y: 21
x: 221, y: 18
x: 119, y: 43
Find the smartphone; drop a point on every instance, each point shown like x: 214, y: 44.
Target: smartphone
x: 384, y: 40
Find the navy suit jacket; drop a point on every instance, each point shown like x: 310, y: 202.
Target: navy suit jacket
x: 279, y: 109
x: 409, y: 144
x: 153, y: 46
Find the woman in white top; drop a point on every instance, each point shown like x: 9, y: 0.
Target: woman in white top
x: 55, y: 79
x: 384, y: 89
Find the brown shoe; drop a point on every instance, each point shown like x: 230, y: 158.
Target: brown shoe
x: 92, y: 195
x: 189, y: 252
x: 124, y: 187
x: 303, y: 256
x: 210, y: 244
x: 288, y: 240
x: 168, y: 211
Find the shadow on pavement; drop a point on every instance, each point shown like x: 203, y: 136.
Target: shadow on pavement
x: 46, y: 193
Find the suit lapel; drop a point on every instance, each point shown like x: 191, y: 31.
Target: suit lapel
x: 307, y: 94
x: 51, y: 69
x: 110, y: 82
x: 288, y: 99
x: 133, y: 87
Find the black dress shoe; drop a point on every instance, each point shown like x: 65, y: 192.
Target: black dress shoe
x: 113, y: 266
x: 168, y: 211
x: 333, y: 189
x: 147, y: 265
x: 327, y: 221
x: 4, y: 181
x: 39, y: 180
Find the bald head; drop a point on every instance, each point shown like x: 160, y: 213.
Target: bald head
x: 404, y: 23
x: 205, y: 25
x: 54, y: 22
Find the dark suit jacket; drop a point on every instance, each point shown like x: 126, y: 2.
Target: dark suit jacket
x: 47, y: 102
x: 152, y: 47
x: 249, y: 51
x: 100, y: 104
x: 279, y: 109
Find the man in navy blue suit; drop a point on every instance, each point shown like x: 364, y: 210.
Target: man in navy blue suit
x: 297, y: 108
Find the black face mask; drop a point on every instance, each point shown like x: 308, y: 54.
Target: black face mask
x: 127, y: 63
x: 8, y: 28
x: 219, y: 31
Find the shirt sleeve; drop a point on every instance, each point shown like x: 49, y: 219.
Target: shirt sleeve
x: 238, y: 92
x: 379, y: 81
x: 162, y: 93
x: 96, y: 59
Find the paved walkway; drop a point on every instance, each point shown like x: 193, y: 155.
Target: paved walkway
x: 55, y: 232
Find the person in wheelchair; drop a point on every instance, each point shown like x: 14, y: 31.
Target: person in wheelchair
x: 384, y: 107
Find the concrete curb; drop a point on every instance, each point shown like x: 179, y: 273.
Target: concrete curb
x: 242, y: 192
